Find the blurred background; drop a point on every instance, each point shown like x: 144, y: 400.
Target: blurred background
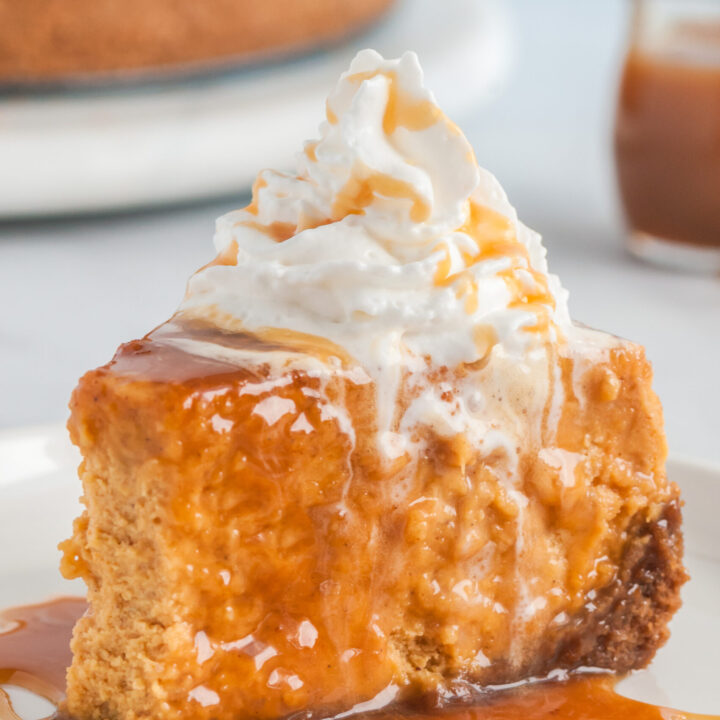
x: 110, y: 181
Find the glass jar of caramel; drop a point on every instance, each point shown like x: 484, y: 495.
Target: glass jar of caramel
x: 667, y: 134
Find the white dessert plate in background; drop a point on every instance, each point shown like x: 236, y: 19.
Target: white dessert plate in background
x: 136, y: 145
x: 39, y: 493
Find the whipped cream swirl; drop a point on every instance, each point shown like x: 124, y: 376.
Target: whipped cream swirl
x: 389, y: 240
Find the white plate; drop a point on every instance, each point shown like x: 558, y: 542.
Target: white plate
x: 38, y: 500
x: 138, y: 145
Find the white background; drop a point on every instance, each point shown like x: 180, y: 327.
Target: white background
x: 70, y: 291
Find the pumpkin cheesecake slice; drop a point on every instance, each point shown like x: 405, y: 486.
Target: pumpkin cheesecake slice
x: 370, y: 459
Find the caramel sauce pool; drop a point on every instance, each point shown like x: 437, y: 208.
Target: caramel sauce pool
x: 35, y: 651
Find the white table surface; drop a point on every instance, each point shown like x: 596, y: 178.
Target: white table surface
x: 71, y: 290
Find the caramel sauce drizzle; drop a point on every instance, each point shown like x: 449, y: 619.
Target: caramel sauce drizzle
x: 359, y: 192
x: 332, y: 118
x: 35, y: 652
x: 278, y: 231
x: 401, y: 109
x: 266, y: 339
x: 495, y: 237
x: 228, y: 256
x: 258, y: 185
x: 305, y: 343
x: 309, y: 150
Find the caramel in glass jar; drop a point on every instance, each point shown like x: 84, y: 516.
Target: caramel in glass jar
x: 667, y: 139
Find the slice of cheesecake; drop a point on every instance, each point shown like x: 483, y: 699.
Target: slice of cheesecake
x: 370, y: 459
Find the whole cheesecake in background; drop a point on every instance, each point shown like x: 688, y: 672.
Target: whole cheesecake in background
x: 45, y: 40
x: 370, y: 459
